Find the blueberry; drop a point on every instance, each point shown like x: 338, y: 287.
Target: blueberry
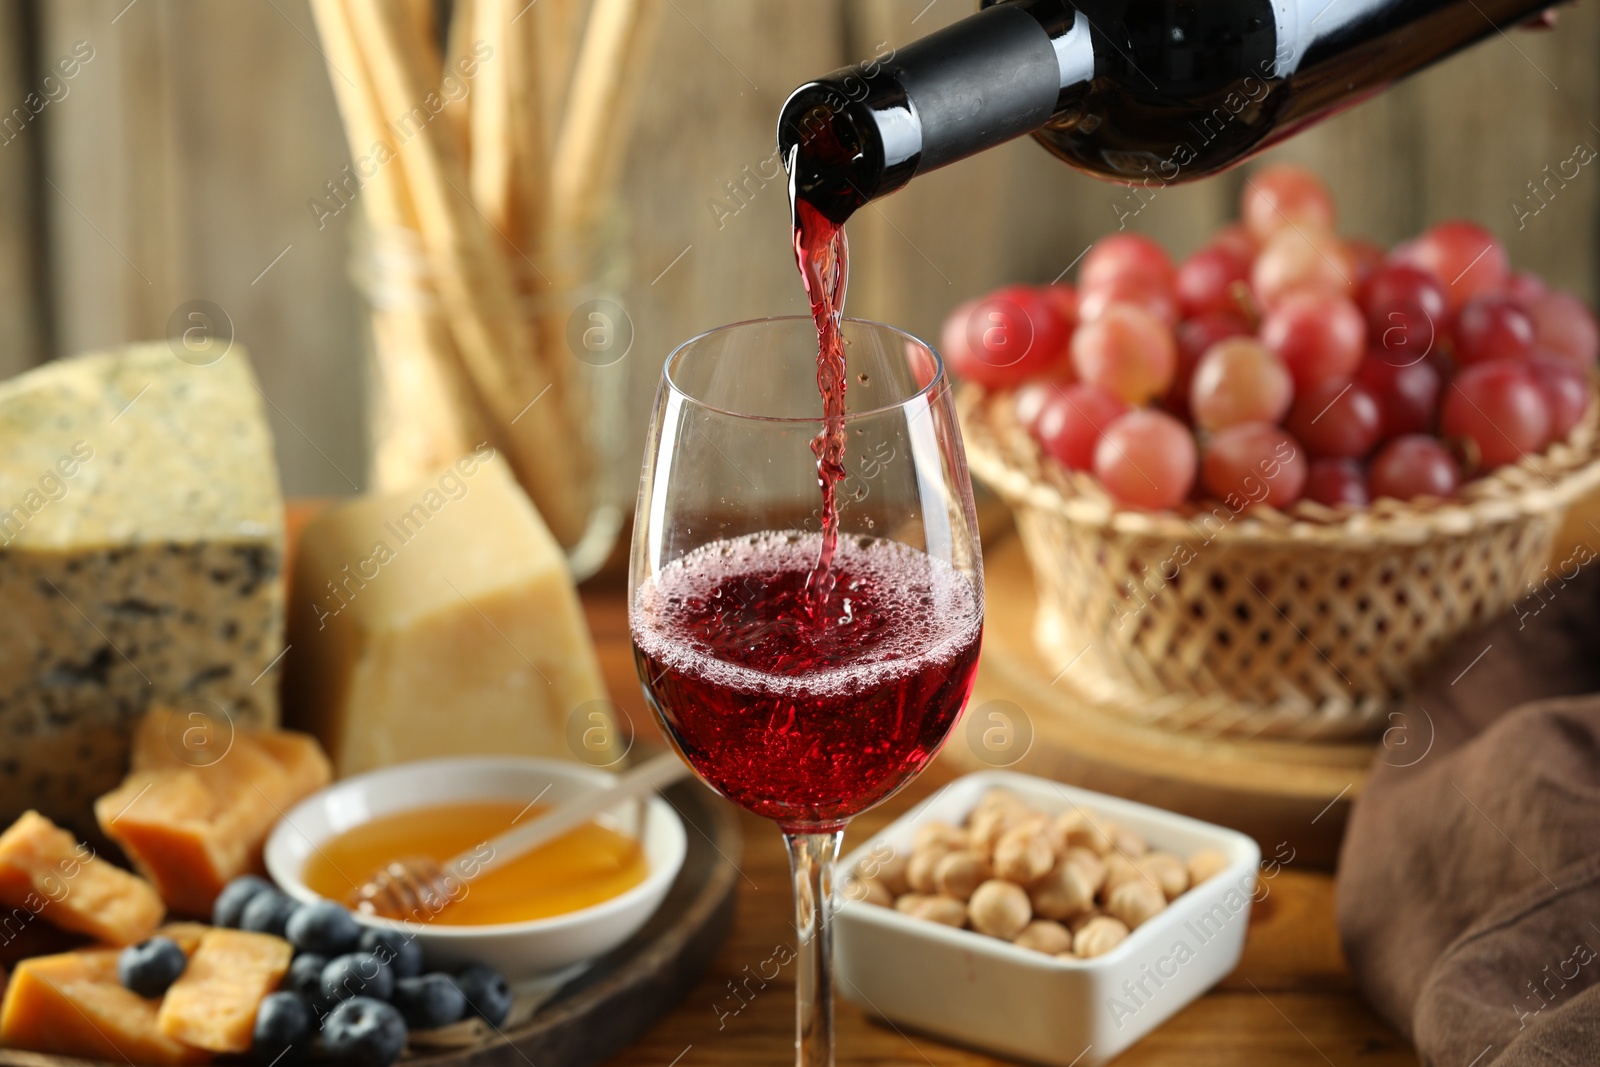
x: 399, y: 950
x: 323, y: 927
x: 357, y: 974
x: 267, y: 913
x: 235, y: 895
x: 363, y: 1032
x: 486, y: 991
x: 305, y: 975
x: 429, y: 1001
x: 283, y: 1030
x: 149, y: 967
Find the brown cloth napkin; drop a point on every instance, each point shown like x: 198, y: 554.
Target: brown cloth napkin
x: 1469, y: 878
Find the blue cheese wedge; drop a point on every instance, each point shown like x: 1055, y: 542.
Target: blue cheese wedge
x: 141, y: 553
x: 440, y: 620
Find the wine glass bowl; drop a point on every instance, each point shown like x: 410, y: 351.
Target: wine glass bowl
x: 806, y: 712
x: 805, y: 687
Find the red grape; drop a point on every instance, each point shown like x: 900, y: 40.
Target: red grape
x: 1152, y: 294
x: 1208, y: 279
x: 1236, y: 241
x: 1566, y: 390
x: 1499, y: 406
x: 1065, y: 299
x: 1408, y: 395
x: 1238, y: 380
x: 1336, y: 481
x: 1492, y: 327
x: 1029, y: 402
x: 1008, y: 337
x: 1194, y: 337
x: 1565, y: 326
x: 1368, y: 256
x: 1526, y: 288
x: 1407, y: 310
x: 1146, y: 459
x: 1123, y: 255
x: 1320, y: 337
x: 1336, y: 420
x: 1073, y: 420
x: 1467, y: 258
x: 1302, y: 259
x: 1412, y: 466
x: 1127, y: 351
x: 953, y: 336
x: 1254, y: 463
x: 1284, y: 196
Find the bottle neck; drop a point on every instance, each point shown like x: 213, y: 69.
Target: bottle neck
x: 864, y: 131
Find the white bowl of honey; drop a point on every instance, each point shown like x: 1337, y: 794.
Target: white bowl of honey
x: 570, y: 900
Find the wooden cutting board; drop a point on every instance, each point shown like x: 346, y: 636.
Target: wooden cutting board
x: 608, y: 1006
x: 1288, y: 795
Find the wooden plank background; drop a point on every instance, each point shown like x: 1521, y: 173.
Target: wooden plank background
x: 179, y: 164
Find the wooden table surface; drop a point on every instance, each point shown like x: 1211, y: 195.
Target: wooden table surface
x: 1291, y: 1000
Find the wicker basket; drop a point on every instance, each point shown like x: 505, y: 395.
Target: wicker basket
x: 1307, y: 623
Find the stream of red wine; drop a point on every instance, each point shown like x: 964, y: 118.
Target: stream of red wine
x: 823, y: 255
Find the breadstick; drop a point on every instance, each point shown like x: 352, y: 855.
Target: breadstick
x: 594, y: 129
x: 424, y: 412
x: 476, y: 287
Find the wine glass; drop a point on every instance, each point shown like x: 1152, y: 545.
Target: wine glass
x: 802, y: 699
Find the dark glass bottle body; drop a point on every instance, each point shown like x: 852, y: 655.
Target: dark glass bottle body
x: 1146, y: 91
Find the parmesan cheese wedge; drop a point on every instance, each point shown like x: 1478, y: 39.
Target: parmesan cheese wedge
x: 440, y: 620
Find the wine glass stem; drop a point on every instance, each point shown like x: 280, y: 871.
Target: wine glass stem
x: 811, y: 858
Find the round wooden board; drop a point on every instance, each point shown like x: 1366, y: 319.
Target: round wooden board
x: 608, y: 1006
x: 1276, y: 791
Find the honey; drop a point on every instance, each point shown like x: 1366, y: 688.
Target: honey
x: 584, y: 867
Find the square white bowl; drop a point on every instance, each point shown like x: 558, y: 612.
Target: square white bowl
x: 987, y: 993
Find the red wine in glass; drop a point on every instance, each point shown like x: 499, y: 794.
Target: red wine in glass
x: 804, y: 712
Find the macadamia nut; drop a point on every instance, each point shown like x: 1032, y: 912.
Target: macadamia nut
x: 1134, y: 902
x: 1126, y: 842
x: 1045, y: 936
x: 1023, y: 855
x: 988, y: 825
x: 939, y: 835
x: 947, y: 911
x: 891, y: 871
x: 1119, y: 869
x: 1063, y: 893
x: 1166, y: 871
x: 1082, y: 919
x: 1082, y: 830
x: 1094, y: 868
x: 1098, y: 936
x: 1000, y: 909
x: 919, y: 872
x: 868, y: 891
x: 959, y: 873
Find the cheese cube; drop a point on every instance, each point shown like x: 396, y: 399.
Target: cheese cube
x: 72, y: 1004
x: 43, y: 869
x: 186, y: 935
x: 437, y: 620
x: 141, y: 550
x: 213, y: 1003
x: 191, y: 829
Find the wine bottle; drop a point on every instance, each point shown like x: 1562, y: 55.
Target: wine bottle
x: 1143, y: 91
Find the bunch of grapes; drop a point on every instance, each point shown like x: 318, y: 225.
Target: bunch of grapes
x: 1282, y: 362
